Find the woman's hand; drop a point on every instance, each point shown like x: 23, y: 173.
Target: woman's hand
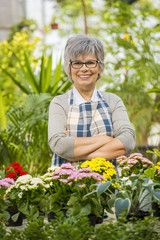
x: 97, y: 146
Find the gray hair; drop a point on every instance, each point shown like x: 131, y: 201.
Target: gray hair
x: 81, y: 44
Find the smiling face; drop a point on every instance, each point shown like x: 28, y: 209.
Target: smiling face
x: 84, y: 79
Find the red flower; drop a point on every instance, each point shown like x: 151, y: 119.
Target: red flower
x: 15, y: 164
x: 22, y: 173
x: 11, y: 175
x: 7, y: 168
x: 17, y: 169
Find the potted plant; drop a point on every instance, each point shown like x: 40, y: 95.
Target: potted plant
x: 25, y: 195
x: 13, y: 172
x: 58, y: 189
x: 107, y: 170
x: 4, y: 185
x: 65, y: 191
x: 128, y: 200
x: 85, y: 200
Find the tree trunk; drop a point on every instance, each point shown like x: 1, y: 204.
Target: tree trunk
x: 85, y: 16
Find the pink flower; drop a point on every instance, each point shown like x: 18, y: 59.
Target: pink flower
x: 63, y: 180
x: 81, y: 185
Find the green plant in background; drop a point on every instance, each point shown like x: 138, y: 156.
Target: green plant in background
x: 20, y: 44
x: 132, y: 62
x: 23, y: 140
x: 25, y: 25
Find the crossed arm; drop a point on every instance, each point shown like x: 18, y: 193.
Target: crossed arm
x: 98, y: 146
x: 80, y: 148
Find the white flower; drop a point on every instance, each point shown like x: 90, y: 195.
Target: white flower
x: 24, y: 179
x: 37, y: 181
x: 124, y: 179
x: 23, y: 188
x: 52, y: 169
x: 20, y: 195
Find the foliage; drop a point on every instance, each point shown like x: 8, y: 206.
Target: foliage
x: 22, y: 140
x: 134, y: 164
x: 139, y: 229
x: 79, y: 229
x: 4, y: 185
x: 25, y: 25
x: 131, y: 62
x: 133, y: 191
x: 153, y: 173
x: 42, y: 82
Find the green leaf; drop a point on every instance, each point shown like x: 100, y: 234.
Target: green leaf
x: 72, y: 200
x: 15, y: 217
x: 3, y: 122
x: 88, y: 194
x: 102, y: 187
x: 122, y: 206
x: 23, y: 208
x: 86, y: 210
x: 155, y: 193
x: 23, y: 88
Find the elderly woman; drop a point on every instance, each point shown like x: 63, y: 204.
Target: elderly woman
x: 85, y: 123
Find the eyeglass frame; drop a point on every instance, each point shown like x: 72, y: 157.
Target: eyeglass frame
x: 97, y: 61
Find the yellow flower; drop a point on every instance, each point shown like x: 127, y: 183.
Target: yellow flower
x: 102, y: 166
x: 126, y: 36
x: 133, y: 42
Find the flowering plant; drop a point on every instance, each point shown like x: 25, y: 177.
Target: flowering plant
x: 15, y: 170
x: 134, y: 164
x: 26, y: 194
x: 68, y: 183
x: 101, y: 166
x: 4, y: 184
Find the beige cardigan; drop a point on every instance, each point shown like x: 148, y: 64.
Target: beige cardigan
x: 63, y: 145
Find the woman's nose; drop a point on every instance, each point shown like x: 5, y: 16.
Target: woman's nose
x: 84, y: 67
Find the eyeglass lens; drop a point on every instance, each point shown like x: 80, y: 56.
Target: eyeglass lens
x: 89, y: 64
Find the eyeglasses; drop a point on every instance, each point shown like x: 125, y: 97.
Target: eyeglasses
x: 76, y: 64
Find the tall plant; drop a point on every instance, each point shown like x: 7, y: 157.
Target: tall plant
x: 25, y: 139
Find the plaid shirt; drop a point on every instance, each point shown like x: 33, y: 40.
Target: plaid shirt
x: 87, y: 119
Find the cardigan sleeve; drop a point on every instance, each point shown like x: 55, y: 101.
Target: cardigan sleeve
x: 58, y: 141
x: 122, y: 128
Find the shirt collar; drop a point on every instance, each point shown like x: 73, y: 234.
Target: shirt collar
x: 79, y: 99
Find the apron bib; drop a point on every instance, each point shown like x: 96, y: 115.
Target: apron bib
x: 86, y: 120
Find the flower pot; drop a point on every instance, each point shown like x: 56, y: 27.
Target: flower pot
x: 140, y: 215
x: 156, y: 209
x: 52, y: 215
x: 92, y: 219
x: 99, y: 220
x: 13, y: 211
x: 54, y: 26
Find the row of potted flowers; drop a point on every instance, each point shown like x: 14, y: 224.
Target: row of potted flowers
x: 88, y: 190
